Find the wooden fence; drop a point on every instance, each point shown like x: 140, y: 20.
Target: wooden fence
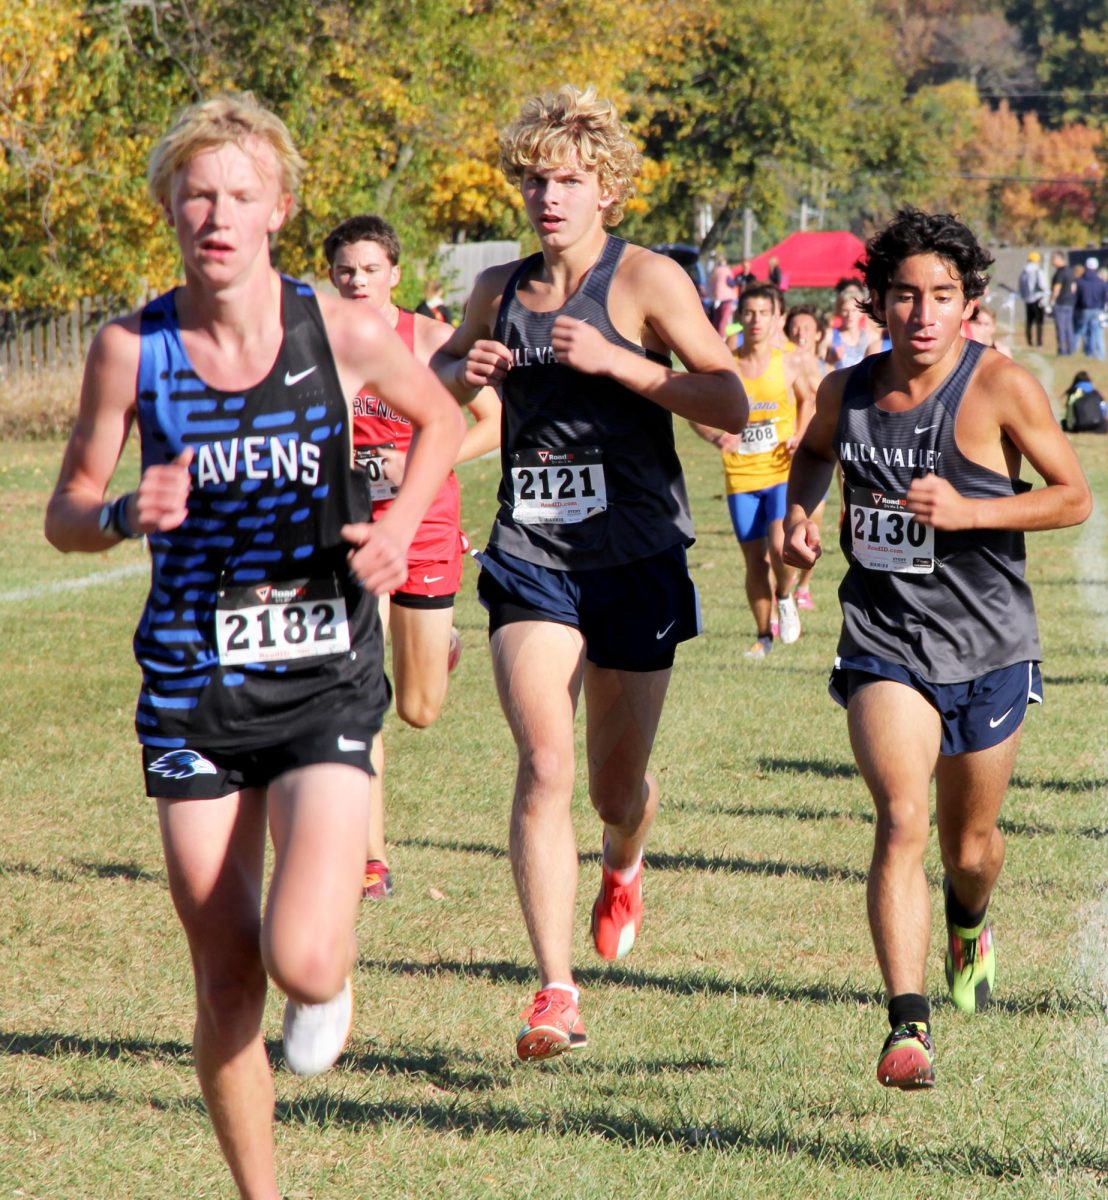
x: 34, y: 342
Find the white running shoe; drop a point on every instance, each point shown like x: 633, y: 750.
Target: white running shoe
x: 790, y: 619
x: 315, y: 1034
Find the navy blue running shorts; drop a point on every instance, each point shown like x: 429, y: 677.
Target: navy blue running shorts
x: 975, y: 715
x: 632, y: 616
x: 199, y: 774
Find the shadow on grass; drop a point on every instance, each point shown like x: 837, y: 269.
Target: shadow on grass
x: 700, y: 983
x: 76, y: 870
x: 668, y: 862
x: 1093, y: 677
x: 809, y: 766
x: 641, y: 1132
x: 49, y: 1044
x: 690, y: 984
x: 805, y: 813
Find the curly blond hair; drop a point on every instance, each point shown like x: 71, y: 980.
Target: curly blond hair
x: 567, y: 126
x: 235, y: 117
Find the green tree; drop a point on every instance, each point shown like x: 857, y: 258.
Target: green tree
x: 764, y: 93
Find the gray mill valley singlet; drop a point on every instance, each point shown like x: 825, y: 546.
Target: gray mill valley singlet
x: 948, y: 605
x: 590, y: 475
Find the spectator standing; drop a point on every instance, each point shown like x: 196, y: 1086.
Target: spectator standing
x: 1033, y: 293
x: 1063, y: 294
x: 1089, y: 310
x: 723, y: 293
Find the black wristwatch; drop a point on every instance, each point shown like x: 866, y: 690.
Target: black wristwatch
x: 113, y: 518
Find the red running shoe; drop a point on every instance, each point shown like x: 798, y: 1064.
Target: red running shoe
x: 551, y: 1025
x: 377, y: 881
x: 455, y: 651
x: 617, y: 914
x: 907, y: 1057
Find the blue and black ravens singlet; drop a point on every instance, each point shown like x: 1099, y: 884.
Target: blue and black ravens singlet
x: 949, y: 605
x: 590, y: 475
x: 253, y: 628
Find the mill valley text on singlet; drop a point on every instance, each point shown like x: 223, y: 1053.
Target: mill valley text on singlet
x: 590, y: 473
x: 949, y: 605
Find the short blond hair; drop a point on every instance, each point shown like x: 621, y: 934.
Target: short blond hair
x: 567, y: 126
x: 235, y: 117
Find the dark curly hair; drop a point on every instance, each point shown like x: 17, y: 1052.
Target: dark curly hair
x: 911, y: 232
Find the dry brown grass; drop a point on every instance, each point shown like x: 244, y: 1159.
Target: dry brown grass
x: 41, y: 406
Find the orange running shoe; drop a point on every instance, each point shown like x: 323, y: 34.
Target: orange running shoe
x: 551, y: 1025
x: 617, y: 914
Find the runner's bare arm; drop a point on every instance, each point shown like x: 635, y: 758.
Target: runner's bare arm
x: 368, y: 353
x: 483, y: 435
x: 471, y: 359
x: 810, y: 475
x: 1015, y: 407
x: 805, y: 395
x: 718, y: 437
x: 104, y: 418
x: 709, y: 391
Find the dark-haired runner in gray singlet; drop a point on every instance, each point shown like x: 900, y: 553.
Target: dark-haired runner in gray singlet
x: 939, y: 650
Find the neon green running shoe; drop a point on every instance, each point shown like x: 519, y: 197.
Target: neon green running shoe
x: 970, y: 965
x: 907, y: 1058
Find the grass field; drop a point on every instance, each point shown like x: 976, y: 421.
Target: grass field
x: 732, y: 1054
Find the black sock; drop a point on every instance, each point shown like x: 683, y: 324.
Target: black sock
x: 958, y: 914
x: 909, y: 1006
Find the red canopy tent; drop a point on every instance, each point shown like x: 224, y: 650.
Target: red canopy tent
x: 817, y: 259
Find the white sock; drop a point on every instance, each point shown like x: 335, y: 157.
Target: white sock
x: 564, y: 987
x: 626, y: 875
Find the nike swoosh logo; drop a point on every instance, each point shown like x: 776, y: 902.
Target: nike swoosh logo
x: 1001, y: 719
x: 433, y: 578
x: 662, y: 632
x: 290, y: 379
x: 925, y: 428
x: 347, y: 744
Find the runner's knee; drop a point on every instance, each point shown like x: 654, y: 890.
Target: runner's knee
x: 903, y: 826
x: 230, y: 999
x: 543, y: 770
x: 308, y: 972
x: 968, y: 851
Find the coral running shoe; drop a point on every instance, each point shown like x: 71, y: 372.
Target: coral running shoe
x: 907, y: 1057
x: 804, y: 599
x: 617, y: 913
x: 315, y: 1034
x: 551, y: 1025
x: 377, y: 881
x: 970, y: 964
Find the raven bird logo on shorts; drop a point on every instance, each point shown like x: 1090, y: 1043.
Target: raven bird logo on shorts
x: 183, y: 764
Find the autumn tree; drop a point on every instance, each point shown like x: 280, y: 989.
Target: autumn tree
x: 763, y: 92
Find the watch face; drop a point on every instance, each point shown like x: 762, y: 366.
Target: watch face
x: 105, y: 517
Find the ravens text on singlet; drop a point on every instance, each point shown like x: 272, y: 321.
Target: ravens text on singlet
x: 949, y: 605
x: 590, y: 475
x: 253, y: 627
